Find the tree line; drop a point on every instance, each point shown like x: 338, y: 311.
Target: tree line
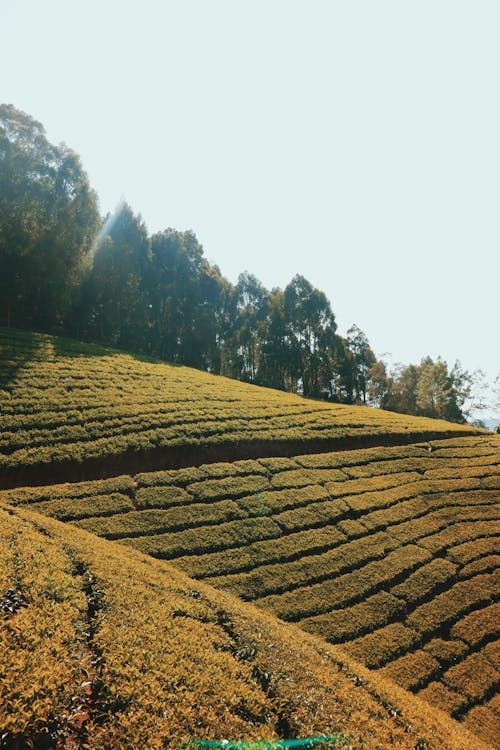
x: 64, y: 269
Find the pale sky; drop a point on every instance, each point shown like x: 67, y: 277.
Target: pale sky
x: 354, y: 142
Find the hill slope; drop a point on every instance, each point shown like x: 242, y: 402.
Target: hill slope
x: 391, y: 552
x: 388, y: 546
x: 74, y: 411
x: 103, y: 647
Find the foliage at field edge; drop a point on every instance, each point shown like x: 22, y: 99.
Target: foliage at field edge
x: 103, y: 647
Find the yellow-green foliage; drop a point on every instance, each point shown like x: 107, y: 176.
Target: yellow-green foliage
x: 146, y: 522
x: 382, y: 646
x: 427, y: 578
x: 179, y: 477
x: 304, y: 477
x: 478, y: 626
x: 441, y: 696
x: 284, y: 576
x: 341, y: 625
x: 108, y: 649
x: 444, y: 609
x: 485, y: 720
x: 341, y: 590
x: 412, y: 670
x: 474, y: 677
x: 399, y: 564
x: 464, y: 523
x: 70, y: 491
x: 161, y: 497
x: 260, y: 554
x: 61, y: 400
x: 42, y: 642
x: 264, y: 503
x: 84, y: 506
x: 446, y: 651
x: 213, y: 489
x: 191, y: 541
x: 315, y: 514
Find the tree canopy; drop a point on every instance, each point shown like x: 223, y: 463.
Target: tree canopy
x: 64, y: 269
x: 48, y: 220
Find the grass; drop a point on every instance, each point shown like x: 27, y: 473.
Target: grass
x: 104, y: 647
x: 390, y: 551
x: 65, y: 402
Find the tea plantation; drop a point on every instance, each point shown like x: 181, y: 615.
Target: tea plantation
x: 340, y: 559
x: 391, y: 552
x: 104, y: 648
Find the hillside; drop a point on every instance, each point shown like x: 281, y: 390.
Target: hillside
x: 375, y: 531
x: 104, y: 647
x: 73, y: 411
x: 391, y: 552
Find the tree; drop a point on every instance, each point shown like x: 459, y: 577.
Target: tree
x: 251, y: 307
x: 341, y: 385
x: 274, y: 350
x: 402, y: 392
x: 379, y: 385
x: 117, y: 292
x: 436, y: 394
x: 310, y: 336
x: 364, y: 358
x: 187, y: 301
x: 469, y: 391
x: 48, y: 220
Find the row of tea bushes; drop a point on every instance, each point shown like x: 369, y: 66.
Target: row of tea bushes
x: 385, y: 550
x: 63, y: 401
x: 103, y: 647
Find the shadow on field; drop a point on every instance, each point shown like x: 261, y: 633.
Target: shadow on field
x: 77, y: 349
x: 17, y: 349
x: 63, y: 347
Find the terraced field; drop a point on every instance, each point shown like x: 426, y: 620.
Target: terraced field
x: 103, y: 647
x: 72, y: 411
x: 377, y: 532
x: 392, y: 551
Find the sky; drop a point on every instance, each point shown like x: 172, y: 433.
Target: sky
x: 356, y: 143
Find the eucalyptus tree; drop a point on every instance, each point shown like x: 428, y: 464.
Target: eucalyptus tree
x: 364, y: 359
x: 438, y: 393
x: 311, y: 335
x: 251, y: 303
x: 48, y: 221
x: 274, y: 362
x: 428, y: 389
x: 187, y: 301
x: 118, y: 296
x: 380, y: 385
x: 342, y: 382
